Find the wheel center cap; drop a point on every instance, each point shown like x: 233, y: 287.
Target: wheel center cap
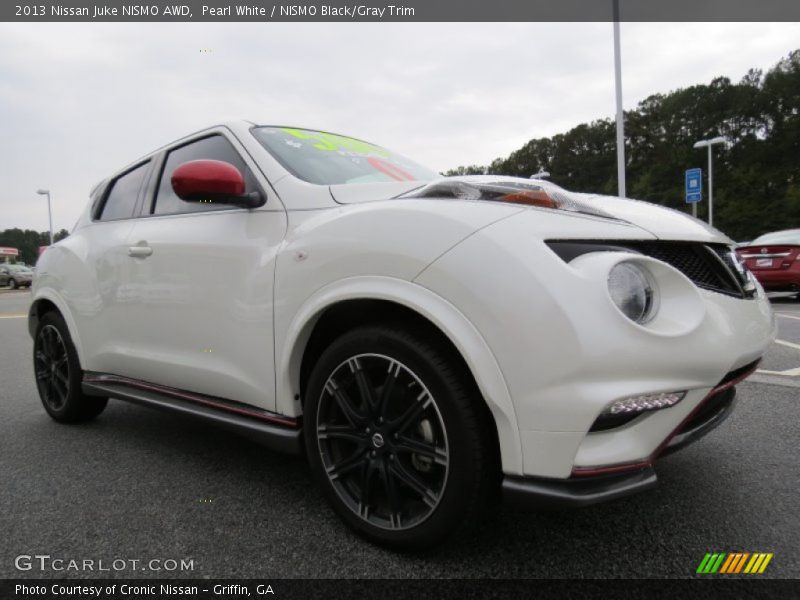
x: 377, y: 440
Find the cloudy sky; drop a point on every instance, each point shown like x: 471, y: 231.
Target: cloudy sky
x: 78, y: 101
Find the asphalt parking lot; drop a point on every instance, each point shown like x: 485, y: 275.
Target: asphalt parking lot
x: 137, y: 484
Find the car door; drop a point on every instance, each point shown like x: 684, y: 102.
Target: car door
x: 95, y: 291
x: 200, y: 284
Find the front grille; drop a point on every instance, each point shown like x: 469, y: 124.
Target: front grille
x: 709, y: 266
x: 693, y: 260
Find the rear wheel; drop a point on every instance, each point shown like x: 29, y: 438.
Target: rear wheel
x: 58, y: 373
x: 397, y: 437
x: 12, y: 283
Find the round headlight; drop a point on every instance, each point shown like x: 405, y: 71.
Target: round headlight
x: 632, y: 291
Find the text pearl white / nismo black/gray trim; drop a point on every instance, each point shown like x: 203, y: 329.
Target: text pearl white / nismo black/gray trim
x: 425, y: 340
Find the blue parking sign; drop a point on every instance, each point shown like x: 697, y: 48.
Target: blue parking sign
x: 694, y: 185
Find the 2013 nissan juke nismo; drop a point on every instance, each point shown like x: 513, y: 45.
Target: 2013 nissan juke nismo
x: 425, y: 340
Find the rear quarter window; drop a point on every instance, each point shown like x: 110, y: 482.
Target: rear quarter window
x: 122, y: 194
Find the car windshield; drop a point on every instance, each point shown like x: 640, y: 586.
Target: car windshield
x: 778, y: 237
x: 330, y: 159
x: 19, y: 269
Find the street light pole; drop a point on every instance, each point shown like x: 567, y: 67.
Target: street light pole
x: 710, y: 186
x: 708, y: 144
x: 620, y: 114
x: 49, y: 211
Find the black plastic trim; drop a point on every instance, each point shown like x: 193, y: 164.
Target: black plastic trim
x: 576, y: 492
x: 697, y: 428
x: 283, y: 438
x: 99, y: 206
x: 570, y: 250
x: 607, y: 422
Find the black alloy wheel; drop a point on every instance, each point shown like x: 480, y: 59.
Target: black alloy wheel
x: 382, y: 441
x: 397, y: 436
x: 58, y: 373
x: 51, y: 366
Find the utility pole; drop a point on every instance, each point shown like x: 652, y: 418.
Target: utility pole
x: 620, y: 114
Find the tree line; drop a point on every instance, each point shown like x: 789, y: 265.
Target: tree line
x: 756, y: 176
x: 28, y: 241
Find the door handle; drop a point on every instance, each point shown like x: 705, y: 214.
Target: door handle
x: 140, y: 251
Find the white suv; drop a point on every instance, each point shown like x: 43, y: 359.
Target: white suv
x: 426, y: 341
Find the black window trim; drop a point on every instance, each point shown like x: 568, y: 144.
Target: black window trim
x: 147, y: 203
x: 98, y: 198
x: 100, y: 206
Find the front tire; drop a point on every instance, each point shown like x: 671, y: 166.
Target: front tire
x: 58, y: 373
x: 12, y: 283
x: 397, y: 437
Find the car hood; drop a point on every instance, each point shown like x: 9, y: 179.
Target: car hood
x: 662, y: 222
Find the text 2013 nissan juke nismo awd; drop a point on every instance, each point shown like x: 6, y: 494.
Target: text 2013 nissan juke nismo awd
x: 425, y: 340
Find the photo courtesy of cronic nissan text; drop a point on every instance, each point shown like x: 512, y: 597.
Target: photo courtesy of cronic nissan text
x: 420, y: 300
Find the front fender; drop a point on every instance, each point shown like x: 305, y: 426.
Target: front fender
x: 292, y: 338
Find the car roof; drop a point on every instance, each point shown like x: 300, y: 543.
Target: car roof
x: 796, y: 230
x: 230, y: 124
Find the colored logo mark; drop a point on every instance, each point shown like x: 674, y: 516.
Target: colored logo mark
x: 734, y: 562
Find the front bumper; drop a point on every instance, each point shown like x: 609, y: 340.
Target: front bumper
x: 590, y: 488
x: 779, y: 280
x: 566, y: 351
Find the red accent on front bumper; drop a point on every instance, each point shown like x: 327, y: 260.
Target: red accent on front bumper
x: 647, y: 462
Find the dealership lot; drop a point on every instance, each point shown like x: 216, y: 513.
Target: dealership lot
x: 140, y: 485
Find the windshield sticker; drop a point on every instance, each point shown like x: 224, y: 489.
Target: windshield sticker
x: 330, y: 142
x: 330, y: 159
x: 389, y: 169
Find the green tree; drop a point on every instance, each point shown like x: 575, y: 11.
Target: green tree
x: 756, y: 178
x: 28, y: 241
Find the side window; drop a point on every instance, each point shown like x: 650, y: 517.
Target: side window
x: 215, y: 147
x: 121, y: 198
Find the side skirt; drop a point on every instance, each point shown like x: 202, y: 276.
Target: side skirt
x: 274, y: 431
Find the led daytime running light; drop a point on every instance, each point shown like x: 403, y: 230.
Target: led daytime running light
x: 644, y: 402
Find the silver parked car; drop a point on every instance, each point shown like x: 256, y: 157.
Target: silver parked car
x: 16, y: 276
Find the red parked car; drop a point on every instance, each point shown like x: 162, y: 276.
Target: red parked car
x: 774, y: 259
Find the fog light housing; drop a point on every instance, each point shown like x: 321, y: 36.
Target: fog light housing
x: 625, y: 410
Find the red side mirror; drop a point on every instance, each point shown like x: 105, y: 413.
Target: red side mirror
x: 211, y: 180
